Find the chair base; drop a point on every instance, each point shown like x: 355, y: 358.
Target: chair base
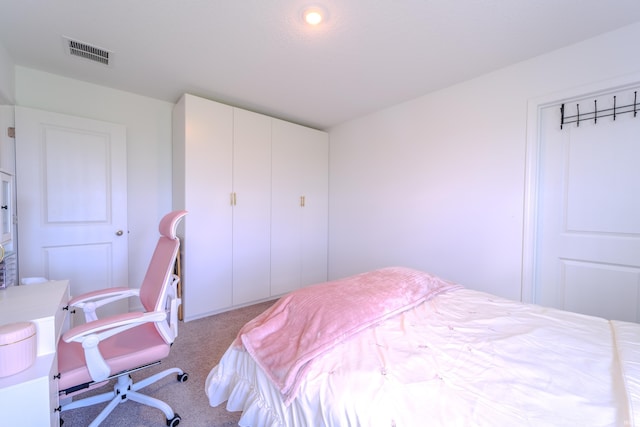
x: 125, y: 389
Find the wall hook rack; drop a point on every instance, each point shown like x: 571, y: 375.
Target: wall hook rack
x: 597, y: 114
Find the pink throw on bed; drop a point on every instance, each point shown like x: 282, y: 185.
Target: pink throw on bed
x: 302, y: 325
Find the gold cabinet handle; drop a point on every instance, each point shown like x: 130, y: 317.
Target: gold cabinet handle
x: 302, y: 201
x: 233, y: 199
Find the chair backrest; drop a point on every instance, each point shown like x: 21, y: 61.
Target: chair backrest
x: 159, y: 281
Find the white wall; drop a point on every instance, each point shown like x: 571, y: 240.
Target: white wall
x: 7, y: 89
x: 437, y: 183
x: 148, y: 123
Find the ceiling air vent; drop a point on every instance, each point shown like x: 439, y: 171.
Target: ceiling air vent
x: 87, y: 51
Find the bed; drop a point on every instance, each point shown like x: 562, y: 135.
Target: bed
x: 401, y: 347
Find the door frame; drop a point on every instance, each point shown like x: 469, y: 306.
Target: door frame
x: 532, y: 166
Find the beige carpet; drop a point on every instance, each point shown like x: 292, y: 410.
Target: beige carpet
x: 198, y: 348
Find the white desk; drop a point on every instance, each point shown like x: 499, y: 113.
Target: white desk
x: 29, y: 398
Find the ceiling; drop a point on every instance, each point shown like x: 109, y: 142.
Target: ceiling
x: 259, y: 55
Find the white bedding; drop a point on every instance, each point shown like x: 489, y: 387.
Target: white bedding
x: 462, y: 358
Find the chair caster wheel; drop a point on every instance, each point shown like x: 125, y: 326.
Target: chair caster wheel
x: 173, y: 422
x: 183, y: 377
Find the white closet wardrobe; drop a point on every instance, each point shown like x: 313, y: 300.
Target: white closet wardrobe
x: 256, y: 189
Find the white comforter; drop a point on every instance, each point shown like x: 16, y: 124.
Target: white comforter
x: 464, y: 358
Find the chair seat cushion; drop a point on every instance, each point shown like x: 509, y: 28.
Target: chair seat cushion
x: 127, y: 350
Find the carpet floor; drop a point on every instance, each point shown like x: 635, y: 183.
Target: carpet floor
x: 197, y: 349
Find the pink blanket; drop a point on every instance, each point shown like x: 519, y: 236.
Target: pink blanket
x: 285, y: 339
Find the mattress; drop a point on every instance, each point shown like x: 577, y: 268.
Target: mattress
x: 462, y: 358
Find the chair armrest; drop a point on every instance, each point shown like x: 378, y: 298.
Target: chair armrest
x: 109, y: 326
x: 90, y: 301
x: 92, y: 333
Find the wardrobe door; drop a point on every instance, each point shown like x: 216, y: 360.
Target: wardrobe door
x: 315, y: 218
x: 251, y: 206
x: 299, y: 207
x: 202, y: 159
x: 286, y: 198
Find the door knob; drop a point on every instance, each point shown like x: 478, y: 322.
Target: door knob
x: 119, y: 233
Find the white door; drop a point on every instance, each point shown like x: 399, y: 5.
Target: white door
x: 588, y: 214
x: 299, y: 207
x: 202, y: 174
x: 6, y: 209
x: 315, y: 221
x: 287, y: 203
x: 251, y: 206
x: 71, y: 200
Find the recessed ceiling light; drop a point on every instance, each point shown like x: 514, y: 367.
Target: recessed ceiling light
x: 314, y: 15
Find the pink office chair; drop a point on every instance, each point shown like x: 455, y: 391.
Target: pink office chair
x: 91, y: 354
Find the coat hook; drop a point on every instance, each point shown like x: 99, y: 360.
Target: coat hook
x: 597, y: 114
